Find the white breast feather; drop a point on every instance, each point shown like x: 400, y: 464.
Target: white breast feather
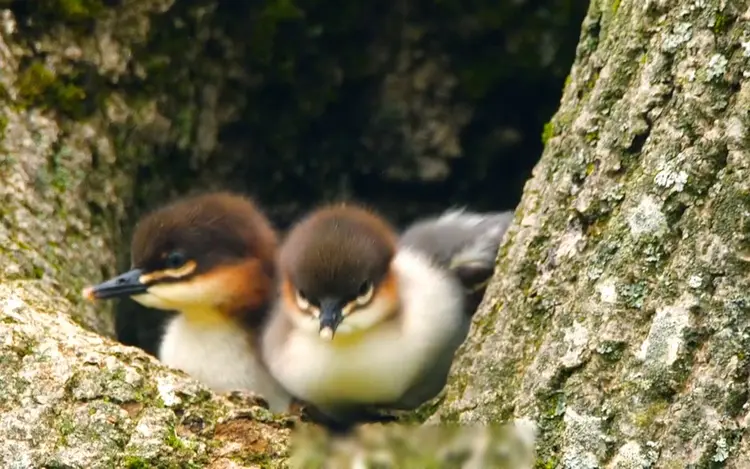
x: 385, y: 363
x: 219, y: 355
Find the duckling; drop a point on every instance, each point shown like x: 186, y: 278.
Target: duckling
x: 465, y: 242
x: 211, y: 259
x: 368, y: 320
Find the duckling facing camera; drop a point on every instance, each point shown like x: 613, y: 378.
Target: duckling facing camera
x: 367, y: 319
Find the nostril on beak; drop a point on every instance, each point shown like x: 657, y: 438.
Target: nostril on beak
x: 120, y: 281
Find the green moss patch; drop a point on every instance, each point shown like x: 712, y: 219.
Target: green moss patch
x: 38, y: 86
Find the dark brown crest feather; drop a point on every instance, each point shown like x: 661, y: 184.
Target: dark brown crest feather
x: 333, y: 250
x: 211, y: 228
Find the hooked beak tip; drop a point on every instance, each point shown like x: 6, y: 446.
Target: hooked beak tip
x: 88, y: 293
x: 330, y: 317
x: 126, y: 284
x: 326, y: 333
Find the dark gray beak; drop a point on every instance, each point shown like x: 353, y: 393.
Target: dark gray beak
x: 330, y: 317
x: 126, y: 284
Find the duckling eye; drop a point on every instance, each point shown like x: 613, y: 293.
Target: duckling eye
x: 175, y: 260
x: 302, y: 302
x: 364, y: 294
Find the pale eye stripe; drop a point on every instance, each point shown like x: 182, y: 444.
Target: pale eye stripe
x: 157, y: 275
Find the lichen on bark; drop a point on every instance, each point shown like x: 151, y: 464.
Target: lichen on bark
x: 75, y: 399
x: 617, y: 319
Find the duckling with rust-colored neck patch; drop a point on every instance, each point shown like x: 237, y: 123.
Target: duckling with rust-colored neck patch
x: 211, y: 258
x: 366, y: 319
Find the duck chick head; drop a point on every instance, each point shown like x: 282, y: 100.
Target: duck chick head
x: 207, y: 256
x: 335, y: 269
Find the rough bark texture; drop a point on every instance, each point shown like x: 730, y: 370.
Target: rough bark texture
x: 618, y: 319
x: 76, y: 400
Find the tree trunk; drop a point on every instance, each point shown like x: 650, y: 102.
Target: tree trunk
x: 617, y: 321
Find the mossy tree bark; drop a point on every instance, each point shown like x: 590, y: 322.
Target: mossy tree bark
x: 618, y: 319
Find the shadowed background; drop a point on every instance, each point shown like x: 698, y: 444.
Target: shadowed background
x: 408, y: 106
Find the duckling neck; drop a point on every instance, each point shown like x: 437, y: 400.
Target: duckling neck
x: 205, y: 316
x: 214, y: 349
